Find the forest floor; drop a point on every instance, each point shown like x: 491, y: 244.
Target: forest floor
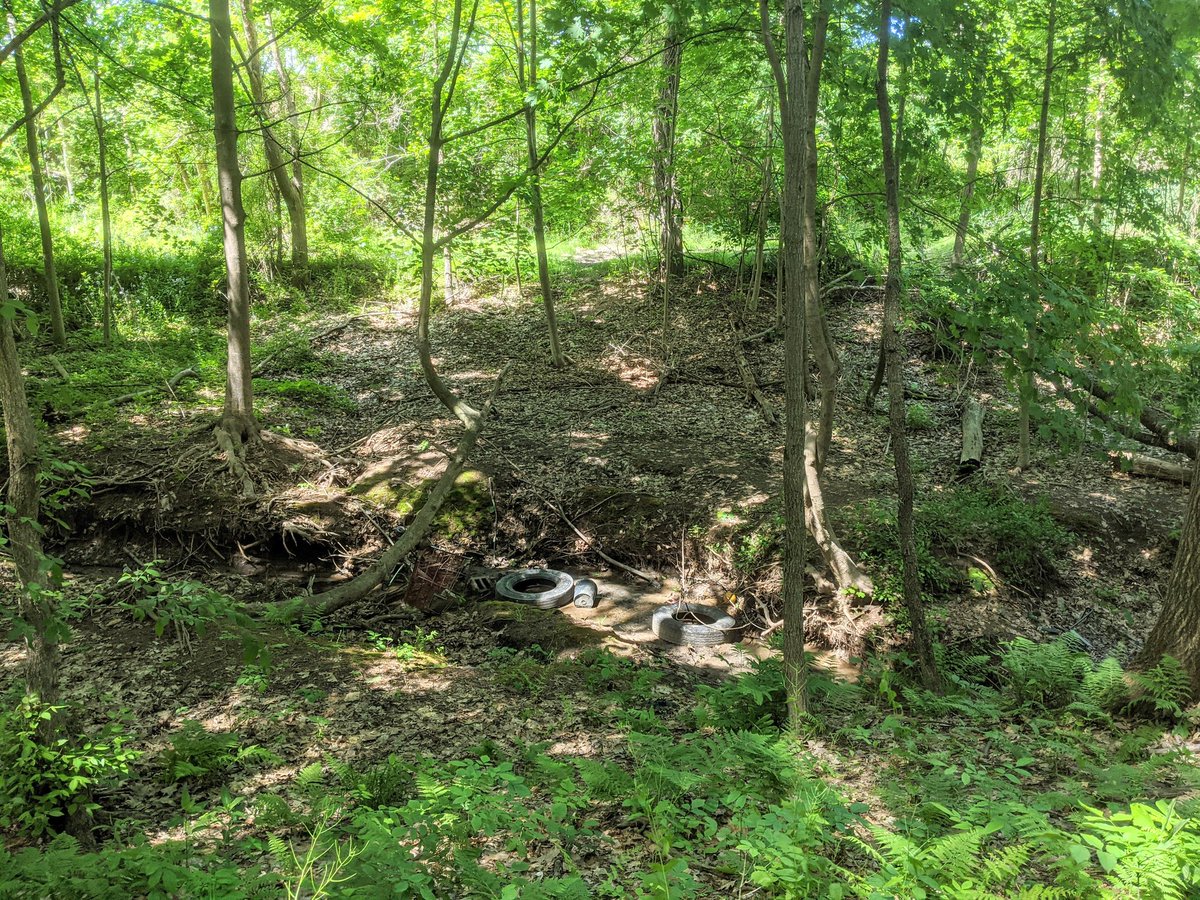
x: 648, y: 445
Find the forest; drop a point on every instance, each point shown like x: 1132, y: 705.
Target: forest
x: 600, y: 449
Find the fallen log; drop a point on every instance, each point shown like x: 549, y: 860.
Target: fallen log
x: 1162, y: 432
x: 971, y: 457
x: 1151, y: 467
x: 261, y: 366
x: 322, y: 604
x: 748, y: 379
x: 171, y: 384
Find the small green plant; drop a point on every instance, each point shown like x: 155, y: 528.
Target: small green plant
x: 756, y: 701
x: 918, y: 417
x: 1147, y: 851
x: 390, y: 783
x: 43, y: 784
x: 186, y: 607
x: 1167, y: 686
x: 199, y: 754
x: 1050, y: 675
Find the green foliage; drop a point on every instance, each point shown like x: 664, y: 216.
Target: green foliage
x: 757, y: 701
x: 1146, y: 851
x: 1167, y: 686
x: 1017, y: 539
x: 1047, y: 674
x: 183, y: 606
x: 305, y: 392
x: 43, y: 784
x: 202, y: 755
x: 918, y: 417
x: 156, y: 871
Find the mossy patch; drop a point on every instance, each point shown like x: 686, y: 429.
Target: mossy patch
x: 396, y: 485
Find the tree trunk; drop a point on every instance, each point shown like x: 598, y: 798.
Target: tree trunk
x: 35, y: 603
x: 528, y: 84
x: 105, y: 218
x: 64, y: 146
x: 1028, y: 390
x: 1177, y: 631
x: 971, y: 457
x: 53, y: 301
x: 819, y: 338
x: 666, y: 186
x: 369, y: 579
x: 974, y: 151
x: 290, y: 189
x: 793, y: 111
x: 1098, y: 149
x: 237, y: 418
x: 895, y: 377
x: 430, y: 244
x: 1184, y: 168
x: 764, y: 200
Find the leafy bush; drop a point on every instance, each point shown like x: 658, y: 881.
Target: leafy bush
x: 41, y: 784
x: 756, y: 701
x: 184, y: 606
x: 1051, y: 674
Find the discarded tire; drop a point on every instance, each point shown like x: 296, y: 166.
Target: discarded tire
x: 543, y: 588
x: 692, y: 623
x: 585, y: 593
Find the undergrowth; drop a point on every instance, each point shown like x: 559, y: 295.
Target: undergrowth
x: 967, y: 537
x: 1038, y: 774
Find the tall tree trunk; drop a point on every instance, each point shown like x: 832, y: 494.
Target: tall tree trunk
x: 819, y: 338
x: 290, y: 189
x: 206, y: 192
x: 974, y: 151
x: 53, y: 301
x: 793, y: 111
x: 1028, y: 389
x: 1177, y: 631
x: 764, y: 200
x: 289, y: 105
x: 895, y: 376
x: 1184, y: 168
x: 1194, y: 216
x: 527, y: 84
x: 431, y: 245
x: 35, y: 602
x: 65, y: 149
x: 105, y: 217
x: 238, y: 425
x: 1098, y: 148
x: 666, y: 185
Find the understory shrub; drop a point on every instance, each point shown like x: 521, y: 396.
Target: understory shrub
x: 956, y: 530
x: 42, y: 785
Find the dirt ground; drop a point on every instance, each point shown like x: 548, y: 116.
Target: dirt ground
x: 642, y: 443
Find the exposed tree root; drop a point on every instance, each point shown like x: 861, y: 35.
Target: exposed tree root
x: 846, y: 571
x: 233, y: 434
